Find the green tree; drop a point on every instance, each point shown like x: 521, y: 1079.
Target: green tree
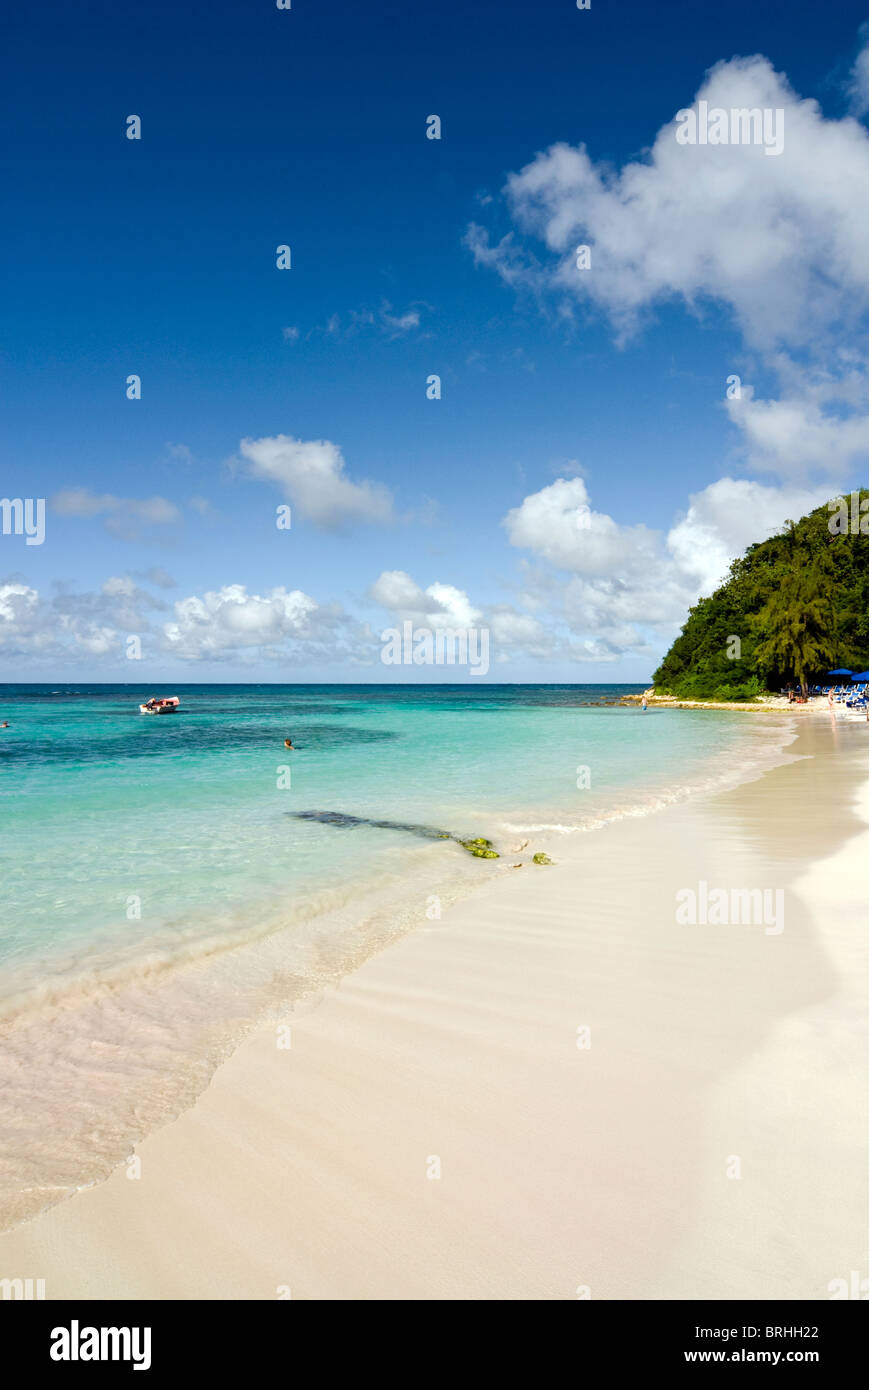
x: 794, y: 625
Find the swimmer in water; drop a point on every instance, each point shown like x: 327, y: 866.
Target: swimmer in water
x: 5, y: 724
x: 288, y: 743
x: 645, y: 704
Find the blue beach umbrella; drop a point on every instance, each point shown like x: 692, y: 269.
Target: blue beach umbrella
x: 840, y: 671
x: 861, y: 676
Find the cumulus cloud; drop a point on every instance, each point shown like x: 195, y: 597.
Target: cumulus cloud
x: 224, y: 624
x: 443, y: 606
x: 728, y: 516
x: 19, y: 629
x: 628, y: 588
x: 559, y: 525
x: 515, y: 633
x: 778, y: 240
x: 818, y: 425
x: 65, y: 624
x: 226, y: 619
x: 311, y: 475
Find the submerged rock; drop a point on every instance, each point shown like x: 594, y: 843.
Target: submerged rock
x: 345, y: 821
x: 480, y: 847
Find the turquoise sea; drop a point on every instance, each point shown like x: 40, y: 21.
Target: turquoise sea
x: 165, y: 881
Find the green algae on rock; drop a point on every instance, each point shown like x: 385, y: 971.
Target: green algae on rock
x: 480, y: 848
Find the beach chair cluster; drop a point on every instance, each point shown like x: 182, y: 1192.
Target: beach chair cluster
x: 853, y: 696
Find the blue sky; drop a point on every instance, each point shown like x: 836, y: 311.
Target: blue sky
x: 411, y: 257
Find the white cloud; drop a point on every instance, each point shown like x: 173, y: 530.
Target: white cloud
x: 779, y: 240
x: 439, y: 604
x: 82, y: 502
x: 559, y: 525
x: 94, y: 624
x: 311, y: 475
x: 514, y: 633
x: 397, y: 325
x: 728, y: 516
x: 226, y: 619
x: 630, y: 587
x: 18, y: 605
x: 596, y: 589
x: 223, y: 624
x: 816, y: 426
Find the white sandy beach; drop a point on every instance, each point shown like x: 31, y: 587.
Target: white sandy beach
x: 715, y: 1050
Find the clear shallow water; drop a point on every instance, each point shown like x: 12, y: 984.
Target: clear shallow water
x: 159, y: 892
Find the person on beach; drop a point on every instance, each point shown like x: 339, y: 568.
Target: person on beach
x: 645, y: 704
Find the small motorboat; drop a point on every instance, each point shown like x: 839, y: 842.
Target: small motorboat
x: 164, y: 705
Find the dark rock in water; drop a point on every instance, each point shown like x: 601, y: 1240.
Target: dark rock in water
x: 345, y: 821
x: 480, y: 848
